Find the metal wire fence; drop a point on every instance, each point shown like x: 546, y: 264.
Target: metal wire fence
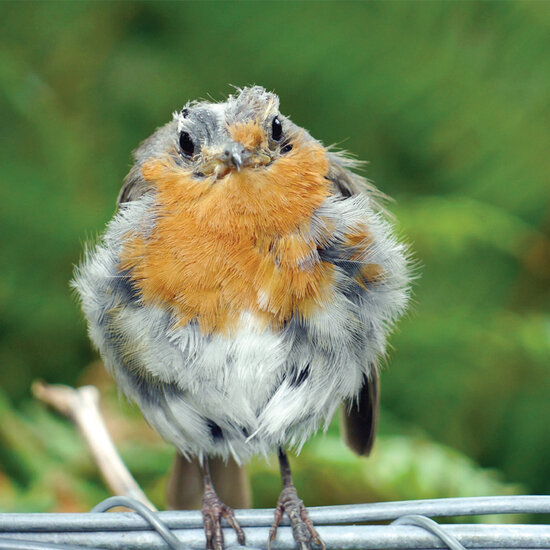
x: 341, y: 527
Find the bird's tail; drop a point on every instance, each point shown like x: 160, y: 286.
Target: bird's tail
x: 185, y: 485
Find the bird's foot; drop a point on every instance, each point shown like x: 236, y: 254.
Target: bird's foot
x: 213, y: 510
x: 302, y: 527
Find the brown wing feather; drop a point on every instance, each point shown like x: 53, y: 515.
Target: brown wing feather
x: 133, y: 187
x: 360, y: 418
x: 158, y: 144
x: 348, y: 183
x: 345, y: 182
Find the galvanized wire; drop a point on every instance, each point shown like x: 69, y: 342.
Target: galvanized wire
x: 148, y: 515
x: 11, y: 544
x: 126, y: 530
x: 431, y: 526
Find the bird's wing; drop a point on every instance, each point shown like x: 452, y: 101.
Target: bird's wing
x: 134, y: 186
x: 348, y: 183
x: 345, y: 182
x: 155, y: 146
x: 360, y: 417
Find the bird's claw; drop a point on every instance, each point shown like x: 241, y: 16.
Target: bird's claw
x: 213, y: 509
x: 303, y: 529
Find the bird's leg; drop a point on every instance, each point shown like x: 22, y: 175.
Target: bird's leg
x: 302, y: 527
x: 213, y: 509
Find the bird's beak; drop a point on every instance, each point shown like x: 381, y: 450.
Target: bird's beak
x: 233, y: 155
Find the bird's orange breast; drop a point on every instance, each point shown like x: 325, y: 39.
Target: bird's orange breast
x: 241, y: 243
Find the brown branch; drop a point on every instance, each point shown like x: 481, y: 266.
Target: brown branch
x: 82, y: 407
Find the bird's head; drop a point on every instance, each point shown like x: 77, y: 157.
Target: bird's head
x: 247, y: 131
x: 233, y: 161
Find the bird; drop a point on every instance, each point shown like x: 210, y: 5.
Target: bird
x: 244, y: 290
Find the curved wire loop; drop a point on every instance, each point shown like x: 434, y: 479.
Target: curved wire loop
x: 432, y: 526
x: 148, y: 515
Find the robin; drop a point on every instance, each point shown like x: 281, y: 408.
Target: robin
x: 245, y: 289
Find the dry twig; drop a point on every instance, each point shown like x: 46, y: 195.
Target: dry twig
x: 82, y: 407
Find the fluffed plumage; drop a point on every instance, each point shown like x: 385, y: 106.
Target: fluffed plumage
x: 247, y: 284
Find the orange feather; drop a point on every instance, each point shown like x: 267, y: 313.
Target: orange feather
x: 221, y: 247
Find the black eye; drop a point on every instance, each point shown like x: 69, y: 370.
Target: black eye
x: 186, y: 144
x: 286, y: 148
x: 276, y: 129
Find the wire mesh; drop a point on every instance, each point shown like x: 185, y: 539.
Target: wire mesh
x: 339, y: 527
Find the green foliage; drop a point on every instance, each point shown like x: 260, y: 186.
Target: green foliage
x: 449, y: 102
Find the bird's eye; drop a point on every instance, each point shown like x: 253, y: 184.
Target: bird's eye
x: 276, y: 129
x: 286, y: 148
x: 186, y: 144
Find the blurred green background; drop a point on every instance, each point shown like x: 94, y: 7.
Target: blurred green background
x: 450, y: 103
